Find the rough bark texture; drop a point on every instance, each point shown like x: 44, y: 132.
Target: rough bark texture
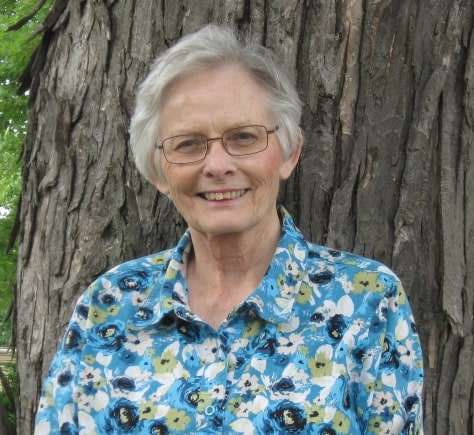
x: 386, y: 169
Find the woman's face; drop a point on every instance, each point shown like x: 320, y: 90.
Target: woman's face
x: 222, y: 194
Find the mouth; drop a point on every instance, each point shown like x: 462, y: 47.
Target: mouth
x: 223, y: 196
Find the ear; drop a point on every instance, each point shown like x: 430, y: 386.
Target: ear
x: 161, y: 185
x: 159, y: 180
x: 289, y: 164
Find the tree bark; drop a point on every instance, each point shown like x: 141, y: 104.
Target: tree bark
x: 386, y: 169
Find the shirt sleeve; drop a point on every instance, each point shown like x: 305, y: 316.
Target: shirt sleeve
x: 391, y: 398
x: 57, y: 412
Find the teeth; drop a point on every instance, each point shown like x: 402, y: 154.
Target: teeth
x: 220, y: 196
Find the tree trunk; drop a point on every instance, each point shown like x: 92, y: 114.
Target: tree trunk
x: 386, y: 169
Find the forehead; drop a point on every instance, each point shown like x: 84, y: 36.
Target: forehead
x: 219, y: 97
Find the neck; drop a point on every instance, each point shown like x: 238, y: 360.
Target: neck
x: 225, y: 269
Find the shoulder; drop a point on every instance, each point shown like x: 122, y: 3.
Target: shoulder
x: 346, y: 260
x: 136, y: 274
x: 355, y: 273
x: 123, y: 289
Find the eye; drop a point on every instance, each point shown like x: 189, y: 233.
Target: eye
x: 187, y: 144
x: 245, y: 136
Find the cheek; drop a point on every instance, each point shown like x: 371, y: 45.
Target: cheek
x: 267, y: 176
x: 270, y: 168
x: 178, y: 181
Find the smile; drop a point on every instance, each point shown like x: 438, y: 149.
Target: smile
x: 222, y: 196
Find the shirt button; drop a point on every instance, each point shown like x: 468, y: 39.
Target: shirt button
x: 209, y: 410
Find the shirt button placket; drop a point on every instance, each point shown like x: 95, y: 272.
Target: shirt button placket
x: 215, y: 384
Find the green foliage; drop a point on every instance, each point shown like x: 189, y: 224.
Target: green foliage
x: 7, y: 276
x: 15, y: 51
x: 10, y: 374
x: 10, y: 180
x: 16, y: 47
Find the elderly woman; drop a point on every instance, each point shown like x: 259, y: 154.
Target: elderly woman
x: 244, y: 327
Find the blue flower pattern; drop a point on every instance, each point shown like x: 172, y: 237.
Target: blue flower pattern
x: 326, y: 344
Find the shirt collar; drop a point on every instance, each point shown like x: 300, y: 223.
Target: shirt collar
x: 273, y: 299
x: 275, y: 296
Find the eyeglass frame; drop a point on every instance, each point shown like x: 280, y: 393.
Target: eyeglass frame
x: 219, y: 138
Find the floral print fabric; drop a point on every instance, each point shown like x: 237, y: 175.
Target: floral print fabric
x: 325, y: 345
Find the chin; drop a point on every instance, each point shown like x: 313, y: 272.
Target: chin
x: 218, y: 228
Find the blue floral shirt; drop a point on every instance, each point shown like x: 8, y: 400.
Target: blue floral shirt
x: 326, y: 344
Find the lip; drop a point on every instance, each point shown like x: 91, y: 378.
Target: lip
x: 227, y: 195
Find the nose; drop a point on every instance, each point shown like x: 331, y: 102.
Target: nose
x: 218, y: 161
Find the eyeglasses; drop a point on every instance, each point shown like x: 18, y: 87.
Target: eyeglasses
x: 240, y: 141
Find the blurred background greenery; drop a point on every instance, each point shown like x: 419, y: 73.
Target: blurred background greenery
x: 16, y: 47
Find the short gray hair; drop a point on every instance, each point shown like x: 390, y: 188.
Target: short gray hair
x: 211, y: 46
